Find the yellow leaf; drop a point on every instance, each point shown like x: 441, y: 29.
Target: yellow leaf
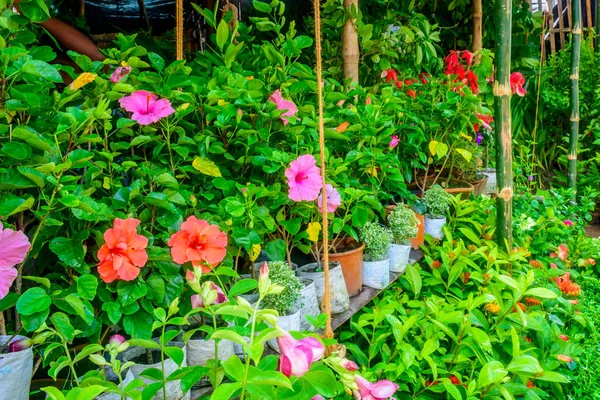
x: 254, y: 252
x: 313, y: 230
x: 250, y: 77
x: 433, y: 147
x: 106, y: 183
x: 184, y: 106
x: 206, y: 166
x: 124, y: 63
x: 372, y: 171
x: 82, y: 80
x: 222, y: 103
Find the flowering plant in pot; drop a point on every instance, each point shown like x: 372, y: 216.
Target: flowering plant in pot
x: 284, y: 303
x: 437, y: 201
x: 376, y: 265
x: 404, y: 226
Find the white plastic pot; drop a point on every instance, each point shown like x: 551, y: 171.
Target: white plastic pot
x: 433, y: 226
x: 399, y: 256
x: 173, y: 388
x: 376, y: 274
x: 290, y: 322
x: 338, y: 292
x: 15, y: 371
x: 308, y: 303
x: 199, y: 351
x: 490, y: 187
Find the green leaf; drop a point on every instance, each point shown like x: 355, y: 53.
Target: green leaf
x: 551, y: 376
x: 541, y: 292
x: 324, y: 382
x: 175, y: 354
x: 86, y: 286
x: 70, y: 251
x: 269, y: 378
x: 31, y: 137
x: 113, y: 311
x: 441, y: 149
x: 491, y: 373
x: 230, y: 335
x: 414, y: 279
x: 262, y: 7
x: 77, y: 305
x: 525, y: 364
x: 8, y: 301
x: 138, y: 325
x: 53, y: 393
x: 156, y: 61
x: 153, y: 373
x: 222, y: 35
x: 42, y: 281
x: 17, y: 150
x: 34, y: 300
x: 147, y: 344
x: 88, y: 350
x: 87, y: 393
x: 276, y: 250
x: 226, y: 391
x: 42, y: 69
x: 206, y: 166
x: 131, y: 291
x: 63, y: 326
x: 242, y: 286
x: 360, y: 216
x: 11, y: 204
x: 465, y: 153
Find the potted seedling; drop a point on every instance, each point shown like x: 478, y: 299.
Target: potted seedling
x: 376, y: 264
x: 285, y: 303
x: 338, y: 293
x: 437, y: 201
x: 404, y: 226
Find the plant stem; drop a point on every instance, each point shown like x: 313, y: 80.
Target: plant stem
x: 245, y: 380
x: 162, y: 362
x: 71, y: 365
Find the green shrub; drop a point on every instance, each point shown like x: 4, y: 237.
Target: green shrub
x: 403, y: 223
x: 377, y: 239
x: 437, y: 201
x: 282, y: 275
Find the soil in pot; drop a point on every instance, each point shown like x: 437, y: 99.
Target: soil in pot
x: 350, y: 254
x: 340, y: 300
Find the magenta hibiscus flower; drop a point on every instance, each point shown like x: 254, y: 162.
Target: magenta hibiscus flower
x: 14, y: 246
x: 145, y: 107
x: 304, y: 179
x: 334, y: 200
x: 284, y: 105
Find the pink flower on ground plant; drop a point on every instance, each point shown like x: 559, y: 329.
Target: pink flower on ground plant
x: 297, y: 355
x: 116, y: 339
x: 120, y: 73
x: 394, y: 142
x: 14, y: 246
x: 568, y: 222
x: 145, y: 107
x: 304, y: 179
x: 334, y: 200
x: 374, y: 391
x: 282, y: 104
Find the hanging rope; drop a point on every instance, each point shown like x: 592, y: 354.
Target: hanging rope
x: 179, y: 29
x: 324, y: 216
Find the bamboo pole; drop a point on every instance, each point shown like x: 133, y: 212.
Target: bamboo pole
x: 588, y: 13
x: 597, y: 42
x: 561, y: 24
x: 552, y: 38
x: 502, y: 95
x: 477, y: 27
x: 350, y: 49
x: 576, y: 50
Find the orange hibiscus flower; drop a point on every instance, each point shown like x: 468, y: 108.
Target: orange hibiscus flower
x: 198, y: 242
x: 123, y: 253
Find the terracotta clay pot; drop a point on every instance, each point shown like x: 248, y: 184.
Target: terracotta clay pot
x: 420, y: 239
x: 352, y: 263
x: 479, y: 186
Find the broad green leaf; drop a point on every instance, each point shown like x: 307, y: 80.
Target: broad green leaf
x: 34, y: 300
x: 63, y: 326
x: 242, y: 286
x: 222, y: 35
x: 11, y: 204
x: 467, y: 155
x: 491, y: 373
x: 226, y: 390
x: 541, y: 292
x: 525, y: 364
x: 86, y: 286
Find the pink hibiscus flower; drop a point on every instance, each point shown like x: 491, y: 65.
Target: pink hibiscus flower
x: 297, y: 355
x: 282, y: 104
x: 145, y: 107
x: 304, y: 179
x: 394, y: 142
x: 516, y: 84
x: 334, y: 200
x: 120, y: 73
x: 14, y: 246
x: 381, y: 390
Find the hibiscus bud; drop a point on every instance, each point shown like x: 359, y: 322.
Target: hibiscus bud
x: 192, y: 280
x: 209, y: 296
x: 19, y: 345
x: 263, y: 280
x: 116, y: 340
x: 564, y: 337
x: 318, y: 397
x: 563, y: 358
x: 349, y: 365
x: 197, y: 301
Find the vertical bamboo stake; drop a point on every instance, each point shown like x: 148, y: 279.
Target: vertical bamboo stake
x: 502, y: 94
x: 477, y: 27
x: 561, y: 24
x: 588, y: 12
x: 552, y: 38
x: 350, y: 49
x: 597, y: 42
x: 576, y: 50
